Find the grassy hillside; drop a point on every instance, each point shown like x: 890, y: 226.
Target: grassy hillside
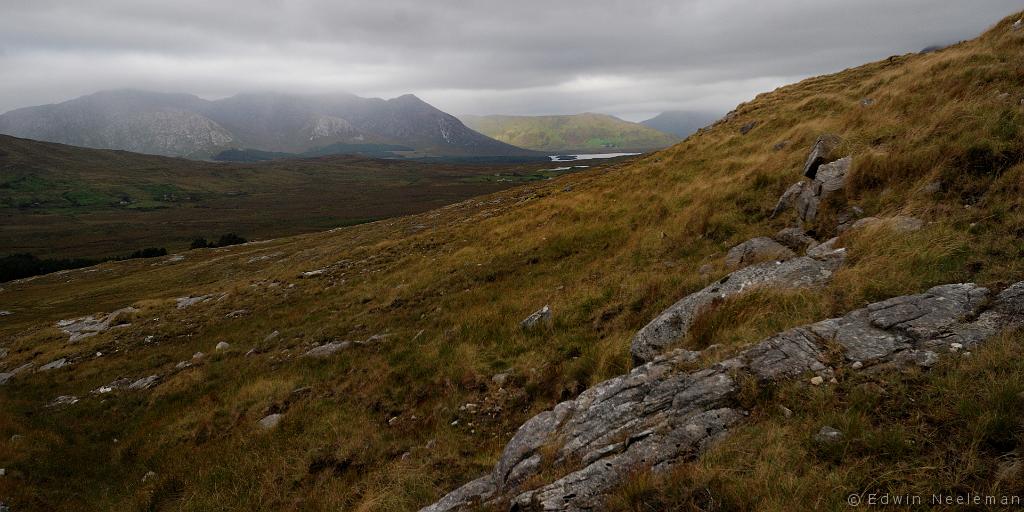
x: 58, y: 200
x: 580, y: 132
x: 396, y: 422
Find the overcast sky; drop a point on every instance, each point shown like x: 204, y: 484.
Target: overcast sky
x: 631, y: 58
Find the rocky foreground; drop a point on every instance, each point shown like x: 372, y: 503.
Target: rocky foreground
x: 676, y: 402
x: 663, y: 412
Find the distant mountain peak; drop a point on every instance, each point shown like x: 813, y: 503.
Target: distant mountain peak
x: 174, y: 124
x: 681, y: 123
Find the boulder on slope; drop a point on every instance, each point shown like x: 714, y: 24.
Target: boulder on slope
x: 757, y: 250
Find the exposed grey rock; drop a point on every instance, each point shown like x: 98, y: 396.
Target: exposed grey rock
x: 272, y: 336
x: 706, y: 269
x: 144, y: 383
x: 747, y: 127
x: 1018, y: 24
x: 821, y: 152
x: 6, y: 376
x: 664, y: 412
x: 270, y: 421
x: 795, y: 239
x: 538, y: 318
x: 867, y: 102
x: 828, y: 435
x: 786, y: 354
x: 5, y: 313
x: 113, y: 386
x: 466, y: 497
x: 55, y: 364
x: 930, y: 314
x: 899, y: 223
x: 63, y: 400
x: 86, y: 326
x: 846, y: 217
x: 673, y: 323
x: 222, y: 346
x: 862, y: 341
x: 828, y: 179
x: 500, y: 379
x: 313, y: 273
x: 1011, y: 300
x: 788, y: 198
x: 148, y: 476
x: 184, y: 302
x: 826, y: 248
x: 3, y: 353
x: 757, y: 250
x: 237, y: 313
x: 327, y: 349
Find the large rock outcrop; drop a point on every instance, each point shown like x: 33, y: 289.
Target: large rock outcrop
x: 673, y: 323
x: 827, y: 175
x: 821, y: 152
x: 828, y: 179
x: 663, y: 412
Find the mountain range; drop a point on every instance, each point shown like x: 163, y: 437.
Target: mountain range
x: 189, y: 126
x: 681, y: 123
x: 566, y: 133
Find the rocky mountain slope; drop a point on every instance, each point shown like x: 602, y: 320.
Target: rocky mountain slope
x: 569, y: 133
x: 704, y: 332
x: 680, y: 123
x: 186, y: 125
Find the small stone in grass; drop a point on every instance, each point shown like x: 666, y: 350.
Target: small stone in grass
x: 817, y: 380
x: 828, y: 434
x: 270, y: 421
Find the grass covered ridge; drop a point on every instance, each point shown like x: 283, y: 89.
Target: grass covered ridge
x: 579, y: 132
x: 386, y: 426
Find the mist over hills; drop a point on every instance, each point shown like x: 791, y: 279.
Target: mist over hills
x: 579, y: 132
x: 681, y: 123
x: 189, y: 126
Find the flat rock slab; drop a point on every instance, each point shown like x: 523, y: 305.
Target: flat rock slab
x: 327, y: 349
x: 900, y: 223
x: 664, y: 412
x: 673, y: 323
x: 86, y: 326
x: 757, y: 250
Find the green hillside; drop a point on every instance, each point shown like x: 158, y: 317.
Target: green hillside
x: 580, y: 132
x: 59, y: 200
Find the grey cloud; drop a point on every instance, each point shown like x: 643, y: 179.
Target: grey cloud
x: 623, y: 57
